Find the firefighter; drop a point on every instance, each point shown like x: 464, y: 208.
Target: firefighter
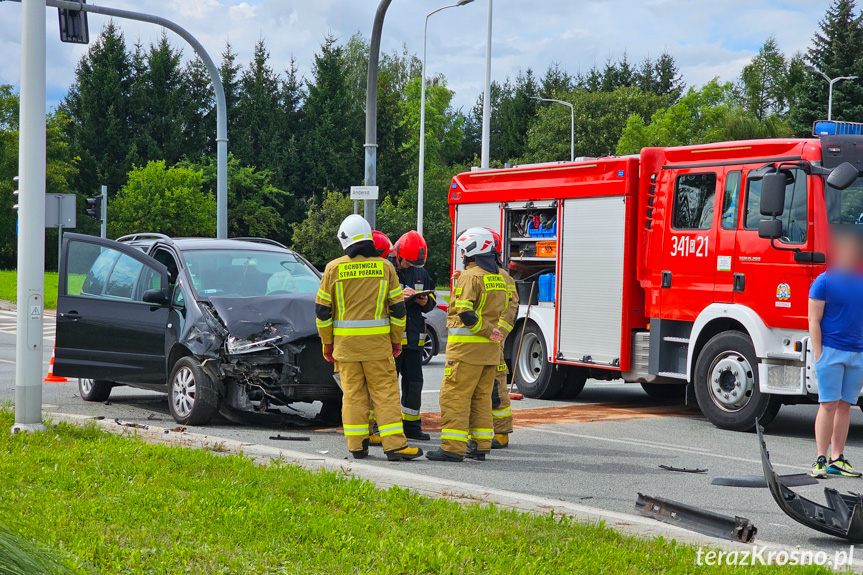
x: 472, y: 352
x: 383, y: 245
x: 360, y: 315
x: 409, y: 257
x: 501, y: 410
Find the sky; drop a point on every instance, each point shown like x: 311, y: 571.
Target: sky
x: 708, y: 38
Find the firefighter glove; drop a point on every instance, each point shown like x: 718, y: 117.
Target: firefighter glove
x: 397, y: 349
x: 328, y: 352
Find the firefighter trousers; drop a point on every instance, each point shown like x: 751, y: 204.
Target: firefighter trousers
x: 367, y: 386
x: 409, y: 365
x: 501, y: 411
x: 465, y: 405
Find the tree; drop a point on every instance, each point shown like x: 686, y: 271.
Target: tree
x: 164, y: 95
x: 230, y: 73
x: 258, y: 140
x: 165, y: 200
x: 316, y: 237
x: 766, y: 83
x: 199, y: 113
x: 836, y: 50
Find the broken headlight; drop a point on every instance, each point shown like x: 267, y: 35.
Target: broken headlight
x: 234, y: 346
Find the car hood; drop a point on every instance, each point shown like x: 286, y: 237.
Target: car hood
x: 291, y: 316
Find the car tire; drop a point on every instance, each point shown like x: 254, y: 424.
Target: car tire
x: 534, y: 375
x: 430, y: 349
x: 665, y: 391
x: 726, y: 384
x: 192, y: 395
x: 330, y: 413
x: 573, y: 382
x: 94, y: 389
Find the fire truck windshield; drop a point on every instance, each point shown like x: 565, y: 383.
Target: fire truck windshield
x: 845, y: 206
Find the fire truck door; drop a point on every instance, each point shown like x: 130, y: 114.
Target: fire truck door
x: 689, y: 250
x: 726, y: 234
x: 769, y: 280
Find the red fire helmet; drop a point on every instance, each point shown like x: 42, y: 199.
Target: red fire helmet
x: 498, y: 244
x: 382, y: 243
x: 412, y: 248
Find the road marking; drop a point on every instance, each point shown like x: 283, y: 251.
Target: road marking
x: 431, y: 391
x: 7, y: 361
x: 679, y: 449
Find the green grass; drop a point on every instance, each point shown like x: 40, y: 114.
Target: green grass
x: 9, y: 290
x: 121, y: 506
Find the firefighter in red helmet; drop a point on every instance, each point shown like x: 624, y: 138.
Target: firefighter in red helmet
x: 382, y: 244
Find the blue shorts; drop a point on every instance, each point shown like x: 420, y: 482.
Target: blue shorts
x: 840, y: 375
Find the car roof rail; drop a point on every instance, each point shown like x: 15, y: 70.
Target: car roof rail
x: 133, y: 237
x: 262, y: 241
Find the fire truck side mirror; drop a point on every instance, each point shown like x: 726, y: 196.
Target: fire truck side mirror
x: 770, y: 229
x: 842, y: 176
x: 773, y: 194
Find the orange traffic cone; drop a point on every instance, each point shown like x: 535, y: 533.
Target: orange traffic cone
x: 51, y: 378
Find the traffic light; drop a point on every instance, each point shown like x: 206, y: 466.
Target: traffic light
x: 16, y: 193
x: 73, y: 25
x: 94, y: 208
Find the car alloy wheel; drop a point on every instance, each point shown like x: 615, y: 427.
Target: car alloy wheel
x: 184, y: 391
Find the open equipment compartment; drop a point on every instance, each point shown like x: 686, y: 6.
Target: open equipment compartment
x: 530, y: 249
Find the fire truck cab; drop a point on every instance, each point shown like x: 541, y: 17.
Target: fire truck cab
x: 684, y: 269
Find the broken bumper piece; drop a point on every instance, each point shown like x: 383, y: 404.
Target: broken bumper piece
x: 695, y: 519
x: 841, y: 517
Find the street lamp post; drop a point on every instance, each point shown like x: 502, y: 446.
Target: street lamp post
x: 422, y: 169
x: 486, y: 100
x: 571, y: 123
x: 830, y: 81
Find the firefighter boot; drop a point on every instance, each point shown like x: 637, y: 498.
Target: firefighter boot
x: 501, y: 409
x: 474, y: 453
x: 441, y: 455
x: 413, y: 427
x: 362, y: 453
x: 500, y: 441
x: 404, y: 454
x: 374, y: 436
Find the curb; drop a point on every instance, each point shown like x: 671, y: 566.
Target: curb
x: 461, y: 492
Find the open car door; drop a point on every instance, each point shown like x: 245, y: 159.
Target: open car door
x: 105, y: 329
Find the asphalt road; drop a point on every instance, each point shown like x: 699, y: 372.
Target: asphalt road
x: 599, y: 450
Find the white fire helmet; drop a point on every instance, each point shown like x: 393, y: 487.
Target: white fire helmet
x: 475, y: 242
x: 354, y: 229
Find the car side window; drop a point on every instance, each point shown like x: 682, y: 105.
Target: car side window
x: 795, y: 218
x: 694, y: 198
x: 731, y: 200
x: 98, y: 271
x: 123, y: 278
x: 179, y: 299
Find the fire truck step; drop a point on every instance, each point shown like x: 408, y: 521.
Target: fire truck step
x: 673, y: 374
x: 671, y: 339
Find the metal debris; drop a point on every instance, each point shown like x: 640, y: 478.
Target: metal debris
x: 695, y: 519
x: 793, y: 480
x: 289, y: 438
x: 682, y: 469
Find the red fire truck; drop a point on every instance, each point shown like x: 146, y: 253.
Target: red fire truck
x: 684, y: 269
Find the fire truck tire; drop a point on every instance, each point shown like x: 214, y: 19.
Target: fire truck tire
x: 726, y: 384
x: 665, y: 390
x: 534, y: 375
x: 573, y: 382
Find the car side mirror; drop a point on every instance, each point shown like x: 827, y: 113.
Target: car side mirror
x: 843, y: 176
x: 773, y: 195
x: 155, y: 297
x: 770, y: 229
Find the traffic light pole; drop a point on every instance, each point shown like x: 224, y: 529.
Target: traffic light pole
x: 221, y: 107
x: 31, y: 221
x: 104, y: 212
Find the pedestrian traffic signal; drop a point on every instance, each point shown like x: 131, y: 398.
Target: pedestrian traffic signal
x: 94, y: 208
x: 15, y: 193
x: 73, y: 25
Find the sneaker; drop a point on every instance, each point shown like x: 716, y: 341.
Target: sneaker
x: 473, y: 453
x: 500, y: 441
x: 441, y: 455
x: 362, y: 453
x: 404, y: 454
x: 819, y: 468
x: 842, y: 467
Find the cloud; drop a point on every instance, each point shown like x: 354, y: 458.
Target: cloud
x: 707, y: 38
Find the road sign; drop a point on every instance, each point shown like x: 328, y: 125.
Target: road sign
x: 61, y: 211
x: 364, y: 192
x: 73, y: 25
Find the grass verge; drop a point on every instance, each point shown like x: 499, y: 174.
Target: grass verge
x: 9, y: 289
x: 118, y: 505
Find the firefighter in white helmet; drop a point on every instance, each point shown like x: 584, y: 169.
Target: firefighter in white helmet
x: 360, y: 315
x: 472, y: 351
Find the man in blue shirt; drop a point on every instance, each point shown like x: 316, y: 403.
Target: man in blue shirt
x: 836, y: 334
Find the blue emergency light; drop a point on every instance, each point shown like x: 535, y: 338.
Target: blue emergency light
x: 833, y: 128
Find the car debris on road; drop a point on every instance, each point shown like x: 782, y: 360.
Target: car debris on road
x: 694, y: 519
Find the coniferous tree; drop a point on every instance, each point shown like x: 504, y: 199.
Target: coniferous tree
x: 164, y: 93
x: 260, y: 114
x: 199, y: 114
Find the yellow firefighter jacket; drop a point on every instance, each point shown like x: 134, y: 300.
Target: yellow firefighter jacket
x: 507, y: 318
x: 359, y: 293
x: 484, y: 294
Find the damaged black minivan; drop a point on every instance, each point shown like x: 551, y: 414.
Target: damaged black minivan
x: 216, y: 324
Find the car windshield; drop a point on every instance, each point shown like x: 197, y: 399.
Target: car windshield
x: 845, y: 206
x: 248, y: 273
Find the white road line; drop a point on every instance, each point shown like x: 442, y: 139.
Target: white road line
x: 7, y: 361
x: 431, y: 391
x: 680, y: 449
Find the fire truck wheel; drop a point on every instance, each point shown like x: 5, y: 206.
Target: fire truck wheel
x: 726, y: 384
x: 535, y: 376
x: 573, y: 382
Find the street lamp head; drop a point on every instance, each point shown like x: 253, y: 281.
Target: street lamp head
x: 463, y: 2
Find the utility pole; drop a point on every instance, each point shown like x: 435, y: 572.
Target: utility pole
x: 831, y: 82
x: 571, y: 123
x: 221, y: 107
x: 371, y: 147
x: 486, y: 100
x: 31, y: 218
x: 104, y: 233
